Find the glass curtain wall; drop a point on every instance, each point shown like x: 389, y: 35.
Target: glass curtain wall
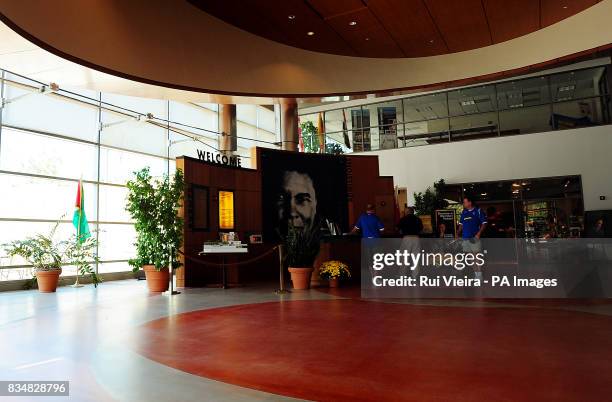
x: 51, y: 139
x: 573, y: 99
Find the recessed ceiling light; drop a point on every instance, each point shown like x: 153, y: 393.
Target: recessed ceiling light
x: 431, y: 41
x: 309, y: 33
x: 291, y: 16
x: 353, y: 23
x: 367, y: 38
x: 564, y: 7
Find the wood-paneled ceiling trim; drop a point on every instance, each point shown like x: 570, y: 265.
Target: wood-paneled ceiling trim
x: 392, y: 28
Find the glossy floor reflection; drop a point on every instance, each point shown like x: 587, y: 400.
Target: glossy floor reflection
x: 120, y: 343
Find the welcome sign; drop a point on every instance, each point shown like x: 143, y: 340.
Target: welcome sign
x: 215, y: 157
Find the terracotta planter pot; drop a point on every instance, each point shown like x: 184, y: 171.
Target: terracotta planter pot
x: 157, y: 281
x: 300, y: 277
x: 334, y: 282
x: 47, y: 280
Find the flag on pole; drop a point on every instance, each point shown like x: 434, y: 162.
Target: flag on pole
x: 79, y: 220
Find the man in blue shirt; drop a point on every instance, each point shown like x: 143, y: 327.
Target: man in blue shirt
x: 369, y: 224
x: 472, y: 223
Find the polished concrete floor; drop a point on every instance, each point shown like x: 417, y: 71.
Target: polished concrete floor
x: 120, y: 343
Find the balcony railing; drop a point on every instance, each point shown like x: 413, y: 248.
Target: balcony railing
x: 567, y: 100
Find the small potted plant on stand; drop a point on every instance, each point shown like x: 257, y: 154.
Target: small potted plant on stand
x: 333, y: 271
x: 301, y: 248
x: 81, y: 252
x: 153, y: 204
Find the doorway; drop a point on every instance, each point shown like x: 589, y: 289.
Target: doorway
x: 531, y: 208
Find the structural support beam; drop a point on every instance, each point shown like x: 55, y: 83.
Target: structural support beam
x: 228, y: 143
x: 289, y: 125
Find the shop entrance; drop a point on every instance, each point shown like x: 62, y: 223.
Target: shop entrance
x: 550, y: 207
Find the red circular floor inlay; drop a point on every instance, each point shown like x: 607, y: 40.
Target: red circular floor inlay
x: 365, y: 351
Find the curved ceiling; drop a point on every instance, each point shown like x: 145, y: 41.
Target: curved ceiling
x: 391, y: 28
x: 176, y: 45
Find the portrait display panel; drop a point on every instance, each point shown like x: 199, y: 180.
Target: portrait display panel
x: 306, y: 191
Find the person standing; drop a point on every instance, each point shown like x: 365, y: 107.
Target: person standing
x: 410, y: 224
x: 410, y: 227
x: 472, y: 223
x: 369, y: 224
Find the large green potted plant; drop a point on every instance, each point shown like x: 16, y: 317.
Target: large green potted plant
x: 47, y: 255
x: 153, y: 203
x: 302, y: 246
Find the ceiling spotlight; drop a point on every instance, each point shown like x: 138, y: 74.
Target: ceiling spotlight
x: 291, y: 16
x: 367, y: 38
x: 431, y: 41
x: 353, y: 23
x: 564, y: 7
x: 309, y: 33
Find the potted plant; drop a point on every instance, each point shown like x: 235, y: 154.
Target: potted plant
x: 301, y: 249
x: 47, y: 255
x: 153, y: 203
x: 333, y: 271
x: 44, y: 253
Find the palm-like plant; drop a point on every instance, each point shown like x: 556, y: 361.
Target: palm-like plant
x: 45, y: 253
x: 42, y: 251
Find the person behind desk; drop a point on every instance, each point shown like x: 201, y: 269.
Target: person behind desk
x: 472, y: 223
x: 369, y: 224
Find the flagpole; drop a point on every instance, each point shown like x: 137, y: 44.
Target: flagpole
x: 76, y: 283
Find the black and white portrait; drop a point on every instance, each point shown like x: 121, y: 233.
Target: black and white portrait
x: 306, y: 191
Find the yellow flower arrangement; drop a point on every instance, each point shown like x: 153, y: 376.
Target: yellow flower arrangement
x: 334, y: 269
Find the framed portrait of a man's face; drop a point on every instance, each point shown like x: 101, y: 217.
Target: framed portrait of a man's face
x: 306, y: 191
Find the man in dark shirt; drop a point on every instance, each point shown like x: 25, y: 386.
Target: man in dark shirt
x: 410, y: 224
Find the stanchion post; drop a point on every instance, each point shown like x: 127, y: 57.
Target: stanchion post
x: 281, y: 289
x: 171, y: 290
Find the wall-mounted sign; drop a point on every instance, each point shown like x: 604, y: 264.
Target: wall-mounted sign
x: 221, y: 159
x: 226, y: 210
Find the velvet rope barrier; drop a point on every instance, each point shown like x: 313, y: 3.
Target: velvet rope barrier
x: 278, y: 247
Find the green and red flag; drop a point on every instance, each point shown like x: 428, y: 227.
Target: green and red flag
x: 79, y: 220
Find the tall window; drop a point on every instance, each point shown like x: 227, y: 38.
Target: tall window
x: 49, y: 140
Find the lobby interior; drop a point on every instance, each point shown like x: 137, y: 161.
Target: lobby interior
x: 198, y: 135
